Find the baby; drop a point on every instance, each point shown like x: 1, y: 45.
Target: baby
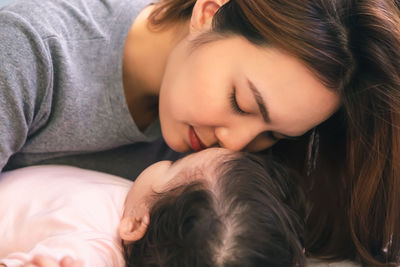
x: 212, y: 208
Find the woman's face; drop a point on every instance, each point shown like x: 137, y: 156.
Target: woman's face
x: 233, y: 94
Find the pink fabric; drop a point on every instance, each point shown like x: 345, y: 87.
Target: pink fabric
x: 60, y: 211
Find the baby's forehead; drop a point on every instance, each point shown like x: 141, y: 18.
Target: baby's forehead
x: 210, y: 156
x: 206, y: 169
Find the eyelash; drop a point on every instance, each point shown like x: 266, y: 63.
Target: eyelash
x: 234, y: 103
x: 237, y: 109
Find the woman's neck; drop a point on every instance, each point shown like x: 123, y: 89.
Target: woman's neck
x: 144, y: 60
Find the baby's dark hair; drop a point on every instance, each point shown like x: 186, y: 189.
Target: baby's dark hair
x: 252, y: 216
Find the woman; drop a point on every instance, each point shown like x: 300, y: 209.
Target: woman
x: 236, y: 74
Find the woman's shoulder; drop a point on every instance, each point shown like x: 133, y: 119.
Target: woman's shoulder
x: 67, y: 19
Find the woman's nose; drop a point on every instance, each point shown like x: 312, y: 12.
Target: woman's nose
x: 238, y: 138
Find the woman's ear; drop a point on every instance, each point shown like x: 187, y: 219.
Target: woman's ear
x: 132, y: 228
x: 203, y: 12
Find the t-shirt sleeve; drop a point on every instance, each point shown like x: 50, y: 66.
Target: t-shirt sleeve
x: 93, y: 249
x: 25, y: 81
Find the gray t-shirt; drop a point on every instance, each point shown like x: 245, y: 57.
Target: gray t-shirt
x: 61, y: 94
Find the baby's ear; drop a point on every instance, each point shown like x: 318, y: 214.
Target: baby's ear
x: 132, y: 228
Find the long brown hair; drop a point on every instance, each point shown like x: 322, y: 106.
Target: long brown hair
x: 353, y: 46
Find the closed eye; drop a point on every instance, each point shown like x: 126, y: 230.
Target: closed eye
x: 234, y: 103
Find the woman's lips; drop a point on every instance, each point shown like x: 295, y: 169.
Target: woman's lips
x: 195, y: 141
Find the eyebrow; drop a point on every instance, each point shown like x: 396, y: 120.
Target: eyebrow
x: 263, y: 108
x: 260, y: 102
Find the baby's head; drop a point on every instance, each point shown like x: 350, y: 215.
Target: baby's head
x: 214, y: 208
